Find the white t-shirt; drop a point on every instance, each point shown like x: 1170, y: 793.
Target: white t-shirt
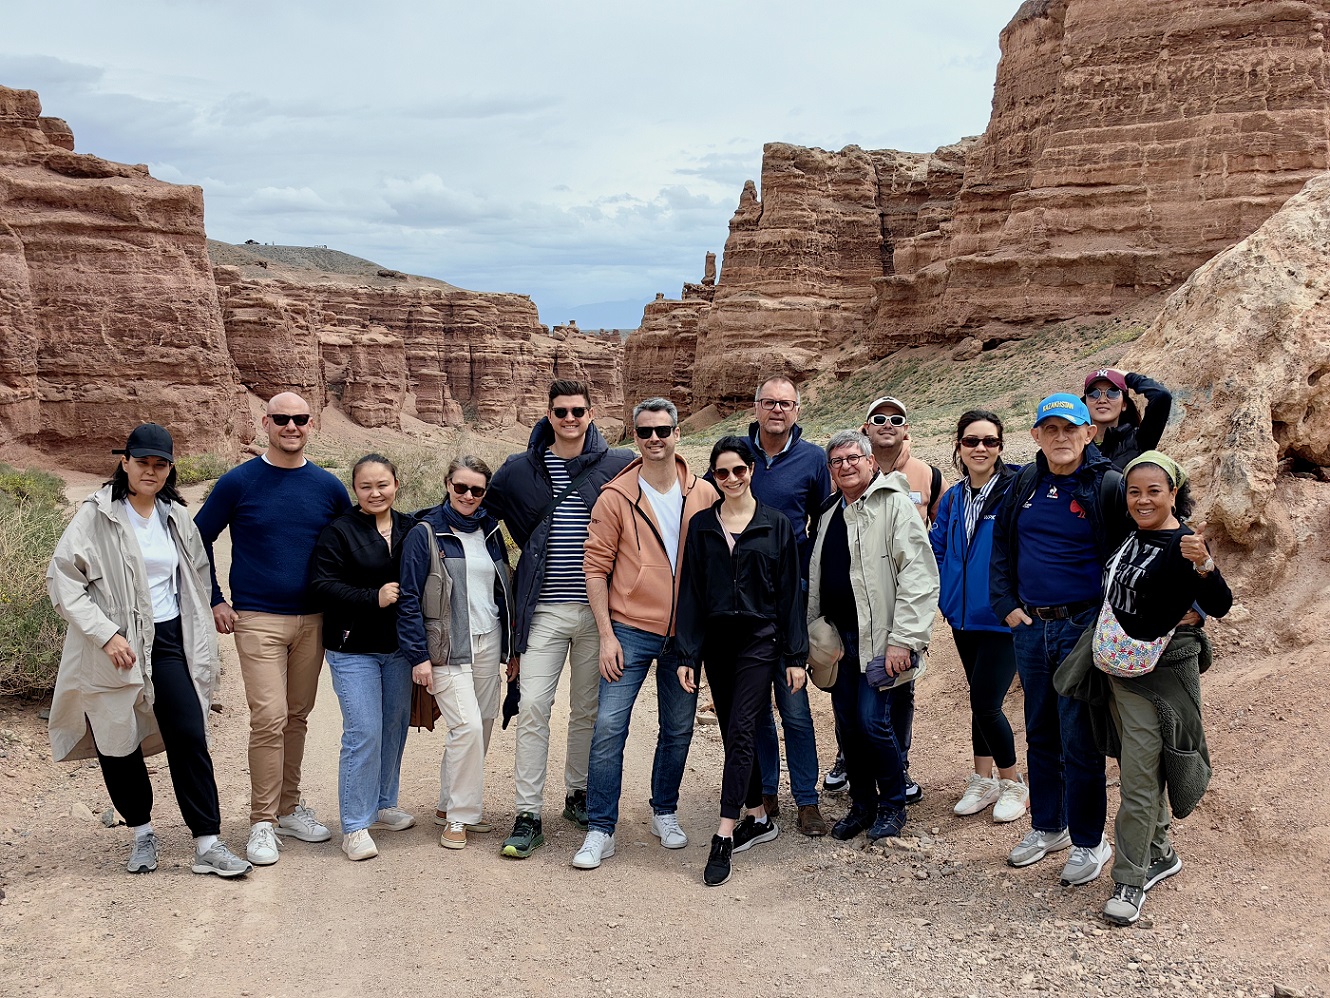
x: 668, y: 507
x: 479, y: 582
x: 161, y: 560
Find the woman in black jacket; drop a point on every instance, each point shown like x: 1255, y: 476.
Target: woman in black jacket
x: 1121, y: 431
x: 357, y: 561
x: 741, y: 612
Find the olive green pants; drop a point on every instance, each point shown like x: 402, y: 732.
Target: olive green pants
x: 1141, y: 830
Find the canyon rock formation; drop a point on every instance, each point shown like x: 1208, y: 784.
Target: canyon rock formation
x: 1129, y: 142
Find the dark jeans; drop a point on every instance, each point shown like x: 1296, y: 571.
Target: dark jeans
x: 1066, y: 771
x: 900, y: 712
x: 740, y: 657
x: 989, y: 658
x: 180, y: 719
x: 796, y: 717
x: 873, y: 761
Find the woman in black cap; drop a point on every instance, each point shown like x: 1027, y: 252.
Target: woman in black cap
x: 1121, y: 431
x: 131, y: 579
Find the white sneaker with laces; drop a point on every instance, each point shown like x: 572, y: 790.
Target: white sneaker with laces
x: 304, y: 825
x: 595, y: 847
x: 666, y: 828
x: 359, y: 845
x: 1013, y: 801
x: 394, y: 819
x: 1086, y: 863
x: 980, y: 793
x: 264, y: 844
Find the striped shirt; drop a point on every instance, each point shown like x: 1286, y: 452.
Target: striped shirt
x: 974, y: 504
x: 565, y: 580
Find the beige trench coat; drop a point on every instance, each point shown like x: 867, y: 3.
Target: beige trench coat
x: 98, y: 584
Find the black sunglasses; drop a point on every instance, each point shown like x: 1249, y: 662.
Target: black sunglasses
x: 881, y: 419
x: 282, y: 418
x: 723, y: 474
x: 578, y: 412
x: 644, y: 432
x: 1113, y: 393
x: 990, y: 442
x: 476, y: 490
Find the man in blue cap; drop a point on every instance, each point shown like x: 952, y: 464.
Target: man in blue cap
x: 1056, y: 528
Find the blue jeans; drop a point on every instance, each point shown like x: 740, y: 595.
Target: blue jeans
x: 1066, y: 770
x: 677, y: 710
x: 800, y: 743
x: 873, y: 760
x: 374, y: 692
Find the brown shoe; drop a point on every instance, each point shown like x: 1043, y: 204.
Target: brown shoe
x: 811, y: 821
x: 772, y: 804
x: 454, y: 836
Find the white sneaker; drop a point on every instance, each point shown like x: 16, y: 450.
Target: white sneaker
x: 302, y: 824
x: 980, y: 792
x: 1013, y: 801
x: 666, y: 828
x: 1036, y: 845
x: 263, y: 844
x: 394, y: 819
x: 1085, y: 864
x: 358, y: 845
x: 595, y: 847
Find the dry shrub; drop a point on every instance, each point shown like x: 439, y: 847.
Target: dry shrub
x: 33, y: 514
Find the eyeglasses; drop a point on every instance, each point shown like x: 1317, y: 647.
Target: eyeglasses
x: 723, y: 474
x: 1112, y: 393
x: 882, y: 418
x: 851, y: 459
x: 991, y: 443
x: 578, y: 412
x: 282, y: 418
x: 477, y: 491
x: 771, y: 405
x: 644, y: 432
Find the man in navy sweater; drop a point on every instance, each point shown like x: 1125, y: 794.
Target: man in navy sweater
x: 276, y: 506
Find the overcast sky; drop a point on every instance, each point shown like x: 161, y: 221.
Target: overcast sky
x: 581, y: 152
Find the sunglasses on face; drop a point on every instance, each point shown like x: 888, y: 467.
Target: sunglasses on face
x: 477, y: 491
x: 578, y: 412
x: 282, y: 418
x: 849, y: 459
x: 881, y: 419
x: 644, y: 432
x: 771, y: 405
x: 992, y: 443
x: 1112, y: 393
x: 723, y: 474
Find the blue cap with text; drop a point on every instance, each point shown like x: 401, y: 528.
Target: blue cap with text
x: 1063, y: 405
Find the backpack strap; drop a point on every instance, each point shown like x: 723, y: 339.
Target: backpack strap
x: 582, y: 476
x: 935, y: 487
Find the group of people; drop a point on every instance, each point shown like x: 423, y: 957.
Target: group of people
x: 783, y: 561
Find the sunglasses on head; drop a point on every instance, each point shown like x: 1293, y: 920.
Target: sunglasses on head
x: 578, y: 412
x: 1112, y: 393
x: 723, y: 474
x: 990, y: 442
x: 478, y: 491
x: 282, y: 418
x: 644, y: 432
x: 882, y: 418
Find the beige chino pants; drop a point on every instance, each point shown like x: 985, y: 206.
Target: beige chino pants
x: 468, y: 699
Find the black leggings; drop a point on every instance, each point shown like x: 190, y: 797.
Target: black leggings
x: 741, y: 658
x: 180, y: 719
x: 990, y: 663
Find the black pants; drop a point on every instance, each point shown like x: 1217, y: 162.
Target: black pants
x: 989, y: 659
x: 741, y: 658
x: 180, y: 718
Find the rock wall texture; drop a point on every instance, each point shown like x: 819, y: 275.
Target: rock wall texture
x: 108, y: 312
x: 1128, y: 143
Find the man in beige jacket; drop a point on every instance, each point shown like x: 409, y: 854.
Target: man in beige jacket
x: 633, y: 548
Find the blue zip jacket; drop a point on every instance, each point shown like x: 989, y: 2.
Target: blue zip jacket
x: 963, y: 562
x: 796, y: 482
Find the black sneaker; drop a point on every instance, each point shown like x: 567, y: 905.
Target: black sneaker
x: 574, y: 808
x: 890, y: 821
x: 718, y: 863
x: 855, y: 822
x: 1162, y: 869
x: 836, y: 779
x: 527, y: 837
x: 749, y: 833
x: 913, y: 792
x: 1124, y: 907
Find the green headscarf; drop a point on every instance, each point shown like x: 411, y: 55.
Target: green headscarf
x: 1158, y: 458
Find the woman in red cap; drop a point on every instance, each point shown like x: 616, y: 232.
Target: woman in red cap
x: 1122, y: 432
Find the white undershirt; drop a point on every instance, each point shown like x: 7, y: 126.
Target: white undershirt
x: 668, y: 507
x: 479, y: 582
x: 161, y: 561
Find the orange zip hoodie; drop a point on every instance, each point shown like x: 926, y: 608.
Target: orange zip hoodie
x: 625, y: 548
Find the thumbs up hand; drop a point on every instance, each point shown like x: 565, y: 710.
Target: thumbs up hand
x: 1194, y: 548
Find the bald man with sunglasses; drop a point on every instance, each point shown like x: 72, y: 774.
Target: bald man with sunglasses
x: 275, y: 506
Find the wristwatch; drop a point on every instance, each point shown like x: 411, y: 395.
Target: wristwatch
x: 1207, y: 568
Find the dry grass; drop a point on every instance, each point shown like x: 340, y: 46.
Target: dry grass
x: 33, y: 514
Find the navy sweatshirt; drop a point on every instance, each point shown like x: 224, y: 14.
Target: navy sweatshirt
x: 796, y: 482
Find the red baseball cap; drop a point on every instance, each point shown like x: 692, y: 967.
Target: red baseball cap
x: 1114, y: 378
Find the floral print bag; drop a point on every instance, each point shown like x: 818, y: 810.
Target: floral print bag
x: 1115, y: 651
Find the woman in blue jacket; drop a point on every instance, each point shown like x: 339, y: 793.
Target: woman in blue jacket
x: 962, y: 538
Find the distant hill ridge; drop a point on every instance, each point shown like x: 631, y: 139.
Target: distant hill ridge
x: 302, y: 264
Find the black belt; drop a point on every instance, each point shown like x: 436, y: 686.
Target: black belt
x: 1064, y: 612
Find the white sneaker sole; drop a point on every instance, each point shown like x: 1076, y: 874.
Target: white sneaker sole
x: 205, y: 868
x: 286, y: 832
x: 1082, y: 879
x: 1164, y: 874
x: 674, y: 843
x: 387, y: 826
x: 1056, y: 846
x: 585, y: 861
x: 964, y: 809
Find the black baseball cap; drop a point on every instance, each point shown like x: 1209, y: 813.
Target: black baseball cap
x: 149, y: 440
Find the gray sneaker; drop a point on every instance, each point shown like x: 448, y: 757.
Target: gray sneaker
x: 1036, y: 845
x: 1124, y: 907
x: 221, y: 861
x: 143, y: 854
x: 1086, y: 863
x: 1162, y: 869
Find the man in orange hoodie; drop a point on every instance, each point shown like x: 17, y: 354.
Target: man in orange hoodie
x: 634, y: 544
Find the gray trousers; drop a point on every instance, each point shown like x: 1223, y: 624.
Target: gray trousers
x: 1141, y: 830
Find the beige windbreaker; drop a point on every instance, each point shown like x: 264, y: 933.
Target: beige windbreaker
x: 892, y: 570
x: 98, y: 583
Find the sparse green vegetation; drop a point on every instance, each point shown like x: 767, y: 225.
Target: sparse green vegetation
x: 194, y: 468
x: 33, y: 514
